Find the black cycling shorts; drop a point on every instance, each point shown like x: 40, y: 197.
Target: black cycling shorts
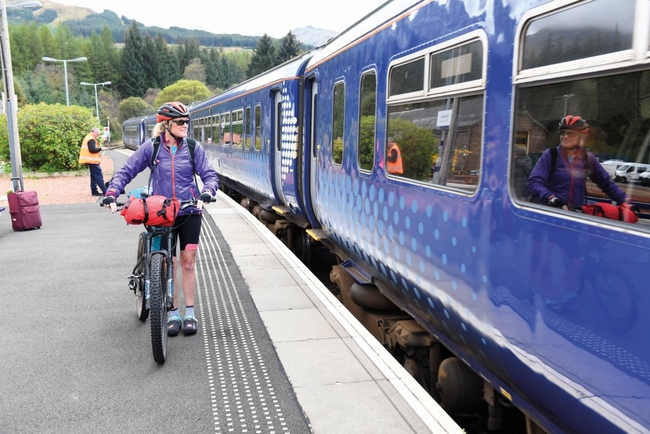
x: 187, y: 230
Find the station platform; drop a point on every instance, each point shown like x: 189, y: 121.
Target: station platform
x: 275, y: 351
x: 344, y: 380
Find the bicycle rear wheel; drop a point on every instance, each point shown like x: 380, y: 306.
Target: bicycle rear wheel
x: 158, y: 310
x: 140, y: 302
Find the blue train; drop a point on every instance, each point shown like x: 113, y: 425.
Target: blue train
x: 136, y: 131
x: 395, y: 145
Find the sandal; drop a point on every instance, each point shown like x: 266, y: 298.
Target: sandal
x: 189, y: 325
x: 173, y: 325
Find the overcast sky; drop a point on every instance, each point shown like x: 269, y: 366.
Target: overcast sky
x: 247, y: 17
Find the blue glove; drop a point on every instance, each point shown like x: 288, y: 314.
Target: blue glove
x: 206, y: 197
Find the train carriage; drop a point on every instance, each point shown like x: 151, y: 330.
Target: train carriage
x: 395, y: 146
x: 254, y: 134
x: 133, y: 132
x: 544, y: 305
x: 137, y: 130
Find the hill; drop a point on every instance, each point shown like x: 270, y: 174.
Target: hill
x: 83, y: 21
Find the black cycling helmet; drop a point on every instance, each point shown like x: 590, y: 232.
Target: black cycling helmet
x: 172, y: 110
x: 575, y: 123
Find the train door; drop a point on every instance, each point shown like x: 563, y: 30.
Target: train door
x: 277, y: 145
x: 315, y: 147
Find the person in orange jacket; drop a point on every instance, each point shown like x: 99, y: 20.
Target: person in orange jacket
x: 90, y: 155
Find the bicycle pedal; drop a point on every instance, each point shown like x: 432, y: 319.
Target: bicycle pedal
x: 133, y: 282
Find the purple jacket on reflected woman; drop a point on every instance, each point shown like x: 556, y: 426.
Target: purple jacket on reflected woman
x: 568, y: 180
x: 173, y: 175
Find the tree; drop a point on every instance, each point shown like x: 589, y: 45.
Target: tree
x: 132, y: 107
x: 150, y: 62
x: 195, y: 71
x: 264, y: 57
x: 133, y: 81
x: 417, y: 144
x: 289, y: 49
x: 185, y: 91
x: 50, y: 136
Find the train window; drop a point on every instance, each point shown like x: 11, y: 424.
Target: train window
x: 461, y: 64
x: 249, y: 125
x: 617, y: 110
x: 338, y: 122
x: 614, y: 103
x: 566, y: 35
x: 407, y: 78
x: 225, y: 129
x: 367, y: 107
x: 437, y: 142
x: 237, y: 128
x: 258, y: 127
x: 314, y: 117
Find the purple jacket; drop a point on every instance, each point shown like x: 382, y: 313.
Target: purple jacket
x: 568, y: 181
x: 172, y: 176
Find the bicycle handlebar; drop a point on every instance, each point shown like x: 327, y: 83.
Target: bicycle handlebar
x: 184, y: 203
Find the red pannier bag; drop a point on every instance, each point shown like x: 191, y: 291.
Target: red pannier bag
x: 151, y: 211
x: 615, y: 212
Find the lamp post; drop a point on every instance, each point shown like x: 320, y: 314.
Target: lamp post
x: 12, y: 105
x: 65, y: 71
x: 106, y: 83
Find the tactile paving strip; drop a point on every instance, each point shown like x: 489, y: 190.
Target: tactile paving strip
x: 249, y: 390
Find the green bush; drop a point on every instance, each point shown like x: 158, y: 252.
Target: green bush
x: 50, y: 136
x: 418, y: 145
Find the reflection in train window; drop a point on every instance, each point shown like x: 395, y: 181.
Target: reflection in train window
x: 225, y: 128
x: 566, y: 35
x: 617, y: 108
x: 460, y: 64
x: 258, y: 127
x: 338, y: 123
x: 614, y: 102
x: 366, y: 143
x: 439, y: 141
x: 407, y: 78
x: 249, y: 125
x: 435, y: 132
x: 237, y: 128
x: 215, y: 129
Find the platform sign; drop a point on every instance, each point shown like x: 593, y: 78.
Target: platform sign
x: 444, y: 119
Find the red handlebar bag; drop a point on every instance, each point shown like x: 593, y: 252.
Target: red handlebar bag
x: 150, y: 211
x: 611, y: 211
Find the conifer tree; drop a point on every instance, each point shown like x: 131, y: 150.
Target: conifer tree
x: 133, y: 81
x: 264, y: 57
x: 289, y: 49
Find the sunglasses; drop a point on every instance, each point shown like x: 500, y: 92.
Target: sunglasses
x: 569, y: 133
x: 182, y: 122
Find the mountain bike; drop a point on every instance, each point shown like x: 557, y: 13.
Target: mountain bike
x: 152, y: 282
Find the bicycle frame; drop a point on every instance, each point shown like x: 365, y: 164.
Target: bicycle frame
x: 153, y: 238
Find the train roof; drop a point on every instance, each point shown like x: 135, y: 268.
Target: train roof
x: 287, y: 70
x: 382, y: 16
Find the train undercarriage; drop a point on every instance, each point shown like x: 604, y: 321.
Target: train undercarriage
x: 466, y: 396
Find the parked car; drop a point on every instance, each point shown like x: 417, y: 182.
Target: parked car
x: 629, y: 172
x: 611, y: 166
x: 644, y: 178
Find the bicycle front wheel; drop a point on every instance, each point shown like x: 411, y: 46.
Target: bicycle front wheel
x: 158, y: 306
x: 140, y: 302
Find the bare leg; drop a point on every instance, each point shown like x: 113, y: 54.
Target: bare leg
x: 188, y: 268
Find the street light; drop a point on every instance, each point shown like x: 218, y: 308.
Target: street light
x: 12, y: 104
x: 106, y: 83
x: 65, y: 71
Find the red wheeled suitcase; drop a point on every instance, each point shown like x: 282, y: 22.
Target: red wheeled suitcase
x: 24, y: 211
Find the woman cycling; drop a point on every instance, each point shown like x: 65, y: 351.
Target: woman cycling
x: 173, y: 176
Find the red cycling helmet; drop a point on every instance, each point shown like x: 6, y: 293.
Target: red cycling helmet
x: 575, y: 123
x: 172, y: 110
